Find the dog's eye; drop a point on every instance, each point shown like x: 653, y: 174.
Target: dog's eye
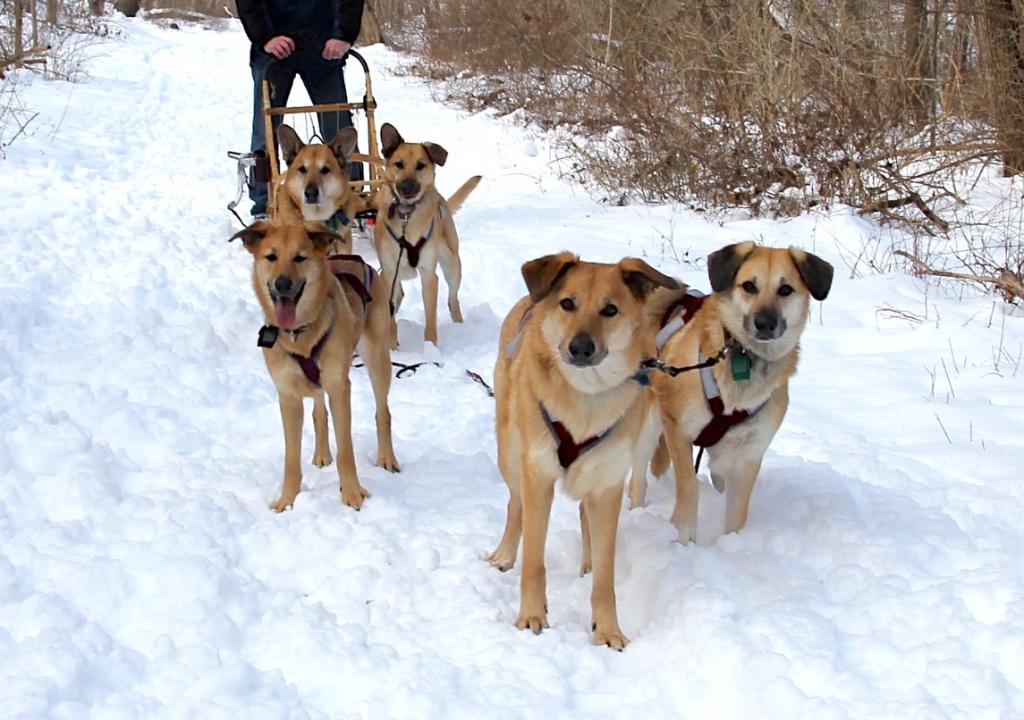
x: 300, y: 258
x: 609, y: 310
x: 302, y: 169
x: 324, y: 170
x: 785, y: 290
x: 749, y: 287
x: 400, y: 165
x: 420, y: 166
x: 568, y: 305
x: 272, y: 257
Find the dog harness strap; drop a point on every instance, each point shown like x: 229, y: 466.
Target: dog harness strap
x: 360, y: 285
x: 395, y: 207
x: 412, y: 251
x: 308, y: 364
x: 720, y: 422
x: 514, y: 342
x: 690, y: 303
x: 568, y: 449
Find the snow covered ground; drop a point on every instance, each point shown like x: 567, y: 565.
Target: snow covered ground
x: 143, y: 575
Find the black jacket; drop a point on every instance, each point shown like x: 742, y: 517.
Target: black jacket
x: 308, y: 22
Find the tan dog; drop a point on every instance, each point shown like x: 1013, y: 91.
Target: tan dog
x: 415, y: 231
x: 756, y: 316
x: 319, y: 322
x: 568, y: 405
x: 315, y: 187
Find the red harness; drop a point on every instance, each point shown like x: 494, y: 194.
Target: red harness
x: 361, y: 286
x: 721, y: 422
x: 568, y: 449
x: 412, y: 252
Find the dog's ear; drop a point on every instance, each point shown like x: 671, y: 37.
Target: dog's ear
x: 437, y: 153
x: 344, y: 144
x: 319, y: 235
x: 723, y: 264
x: 290, y: 143
x: 253, y: 235
x: 641, y: 278
x: 545, y: 274
x: 815, y: 272
x: 390, y: 139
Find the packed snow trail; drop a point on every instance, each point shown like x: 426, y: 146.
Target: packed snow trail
x: 143, y: 575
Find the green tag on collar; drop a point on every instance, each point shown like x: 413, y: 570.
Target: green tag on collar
x: 741, y: 364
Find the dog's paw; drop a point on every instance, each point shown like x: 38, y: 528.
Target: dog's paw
x: 502, y: 559
x: 430, y: 336
x: 611, y: 637
x: 536, y: 622
x: 637, y: 500
x: 456, y: 312
x: 322, y: 459
x: 354, y: 497
x: 686, y: 529
x: 283, y: 503
x: 389, y: 462
x: 586, y: 567
x: 686, y: 536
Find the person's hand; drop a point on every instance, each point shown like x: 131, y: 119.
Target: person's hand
x: 335, y: 49
x: 280, y: 47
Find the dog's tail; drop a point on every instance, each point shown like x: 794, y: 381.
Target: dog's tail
x: 460, y: 195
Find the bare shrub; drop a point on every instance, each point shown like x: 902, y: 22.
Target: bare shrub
x: 47, y: 36
x: 894, y: 107
x: 188, y: 10
x: 772, y: 105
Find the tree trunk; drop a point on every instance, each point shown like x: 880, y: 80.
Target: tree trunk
x: 51, y: 12
x: 957, y: 59
x: 919, y: 59
x: 1004, y: 60
x: 97, y: 6
x: 19, y: 49
x: 369, y: 31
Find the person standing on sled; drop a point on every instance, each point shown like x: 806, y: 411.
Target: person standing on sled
x: 308, y: 38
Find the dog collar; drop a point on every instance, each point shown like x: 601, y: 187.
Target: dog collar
x: 404, y: 211
x: 338, y: 220
x: 268, y: 334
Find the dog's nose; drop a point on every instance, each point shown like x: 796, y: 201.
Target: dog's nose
x: 582, y: 350
x: 283, y: 285
x: 312, y: 194
x: 766, y: 322
x: 408, y: 187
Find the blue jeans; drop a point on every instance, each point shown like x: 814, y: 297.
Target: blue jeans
x: 324, y: 82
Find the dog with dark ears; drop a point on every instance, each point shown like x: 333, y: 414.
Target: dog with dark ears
x: 415, y: 230
x: 753, y: 322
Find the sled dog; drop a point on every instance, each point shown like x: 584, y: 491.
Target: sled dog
x: 315, y: 187
x: 415, y: 230
x: 318, y: 312
x: 752, y: 323
x: 569, y: 405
